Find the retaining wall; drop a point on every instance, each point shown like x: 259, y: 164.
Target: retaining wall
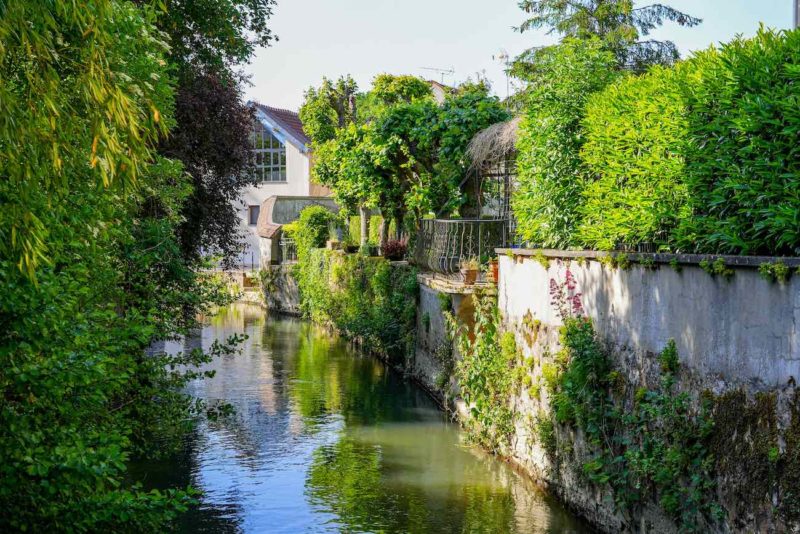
x: 737, y: 339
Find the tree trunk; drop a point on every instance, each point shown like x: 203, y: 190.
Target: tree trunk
x: 364, y: 214
x: 398, y: 226
x: 384, y: 231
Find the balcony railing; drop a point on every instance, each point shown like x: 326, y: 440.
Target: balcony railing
x: 288, y: 250
x: 443, y: 244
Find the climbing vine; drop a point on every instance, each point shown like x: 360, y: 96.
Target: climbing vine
x: 652, y: 443
x: 485, y: 372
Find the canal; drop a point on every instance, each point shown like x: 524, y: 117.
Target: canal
x: 327, y: 440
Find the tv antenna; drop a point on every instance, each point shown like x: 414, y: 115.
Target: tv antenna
x: 442, y: 72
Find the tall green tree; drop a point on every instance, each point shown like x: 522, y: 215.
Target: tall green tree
x: 617, y: 23
x: 209, y: 40
x: 328, y: 108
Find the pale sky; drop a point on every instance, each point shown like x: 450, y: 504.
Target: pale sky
x: 364, y: 38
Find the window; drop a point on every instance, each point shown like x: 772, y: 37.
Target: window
x: 253, y: 212
x: 269, y: 156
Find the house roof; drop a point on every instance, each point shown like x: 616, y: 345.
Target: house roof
x: 288, y: 121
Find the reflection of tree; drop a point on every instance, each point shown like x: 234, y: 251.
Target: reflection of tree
x: 347, y: 479
x: 329, y: 379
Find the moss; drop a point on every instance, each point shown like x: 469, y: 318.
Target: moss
x: 789, y: 466
x: 542, y: 260
x: 745, y: 433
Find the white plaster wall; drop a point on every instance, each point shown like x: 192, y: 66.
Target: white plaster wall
x: 297, y: 184
x: 742, y: 330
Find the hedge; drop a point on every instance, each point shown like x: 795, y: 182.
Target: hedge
x: 703, y: 157
x: 636, y: 141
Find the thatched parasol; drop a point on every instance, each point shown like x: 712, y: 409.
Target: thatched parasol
x: 493, y: 144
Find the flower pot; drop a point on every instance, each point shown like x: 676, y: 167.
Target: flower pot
x: 494, y: 265
x: 470, y: 275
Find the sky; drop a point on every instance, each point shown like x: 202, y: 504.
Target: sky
x: 364, y: 38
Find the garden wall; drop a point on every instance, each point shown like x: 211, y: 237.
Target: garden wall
x: 733, y: 401
x: 280, y: 290
x: 730, y: 330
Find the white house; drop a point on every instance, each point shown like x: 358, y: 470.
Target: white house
x: 281, y: 151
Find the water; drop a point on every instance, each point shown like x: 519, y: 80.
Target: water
x: 326, y: 440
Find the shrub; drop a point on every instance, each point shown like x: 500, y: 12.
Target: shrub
x: 636, y: 140
x: 312, y: 228
x: 550, y: 173
x: 364, y: 298
x: 743, y: 169
x: 395, y: 250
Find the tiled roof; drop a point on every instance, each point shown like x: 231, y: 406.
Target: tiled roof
x: 289, y: 120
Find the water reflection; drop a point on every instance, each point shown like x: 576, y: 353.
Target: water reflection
x: 325, y: 440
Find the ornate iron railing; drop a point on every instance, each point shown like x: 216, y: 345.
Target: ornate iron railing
x: 443, y: 244
x: 288, y: 250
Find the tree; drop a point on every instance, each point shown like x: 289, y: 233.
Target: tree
x: 616, y: 22
x: 329, y: 108
x: 212, y: 139
x: 90, y: 268
x: 208, y: 39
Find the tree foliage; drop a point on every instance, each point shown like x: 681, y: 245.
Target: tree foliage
x: 617, y: 23
x: 208, y: 40
x: 91, y: 268
x: 212, y: 139
x: 408, y: 154
x: 328, y: 108
x: 547, y: 202
x: 76, y: 69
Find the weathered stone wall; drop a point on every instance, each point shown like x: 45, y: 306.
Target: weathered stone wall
x: 280, y: 289
x: 738, y: 342
x: 740, y: 329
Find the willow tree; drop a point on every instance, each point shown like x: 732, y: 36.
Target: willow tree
x: 58, y: 62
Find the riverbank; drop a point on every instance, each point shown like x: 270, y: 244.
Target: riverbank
x: 328, y: 439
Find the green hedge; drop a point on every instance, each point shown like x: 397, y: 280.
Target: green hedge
x: 550, y: 174
x: 744, y: 159
x: 365, y: 298
x: 636, y: 140
x: 703, y: 157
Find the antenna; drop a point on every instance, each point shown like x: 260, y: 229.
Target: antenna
x: 449, y: 71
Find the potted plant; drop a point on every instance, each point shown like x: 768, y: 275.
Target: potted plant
x: 469, y: 270
x: 494, y: 269
x: 394, y: 250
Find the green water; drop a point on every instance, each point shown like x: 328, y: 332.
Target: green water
x: 327, y: 440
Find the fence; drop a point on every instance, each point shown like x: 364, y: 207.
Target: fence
x: 443, y: 244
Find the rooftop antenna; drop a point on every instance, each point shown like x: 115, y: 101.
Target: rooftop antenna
x: 449, y: 71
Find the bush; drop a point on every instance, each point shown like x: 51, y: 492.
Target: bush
x: 365, y: 298
x: 312, y: 229
x: 550, y: 173
x: 743, y: 167
x: 636, y: 141
x: 395, y: 250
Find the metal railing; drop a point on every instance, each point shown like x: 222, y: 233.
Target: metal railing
x: 288, y: 250
x: 443, y: 244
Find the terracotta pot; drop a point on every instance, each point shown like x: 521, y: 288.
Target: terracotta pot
x: 495, y: 266
x: 470, y: 275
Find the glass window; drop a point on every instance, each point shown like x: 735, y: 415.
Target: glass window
x: 253, y: 212
x: 269, y: 156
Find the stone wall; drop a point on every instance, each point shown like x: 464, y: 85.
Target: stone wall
x: 738, y: 342
x: 280, y: 289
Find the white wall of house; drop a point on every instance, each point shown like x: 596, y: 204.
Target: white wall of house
x: 297, y: 184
